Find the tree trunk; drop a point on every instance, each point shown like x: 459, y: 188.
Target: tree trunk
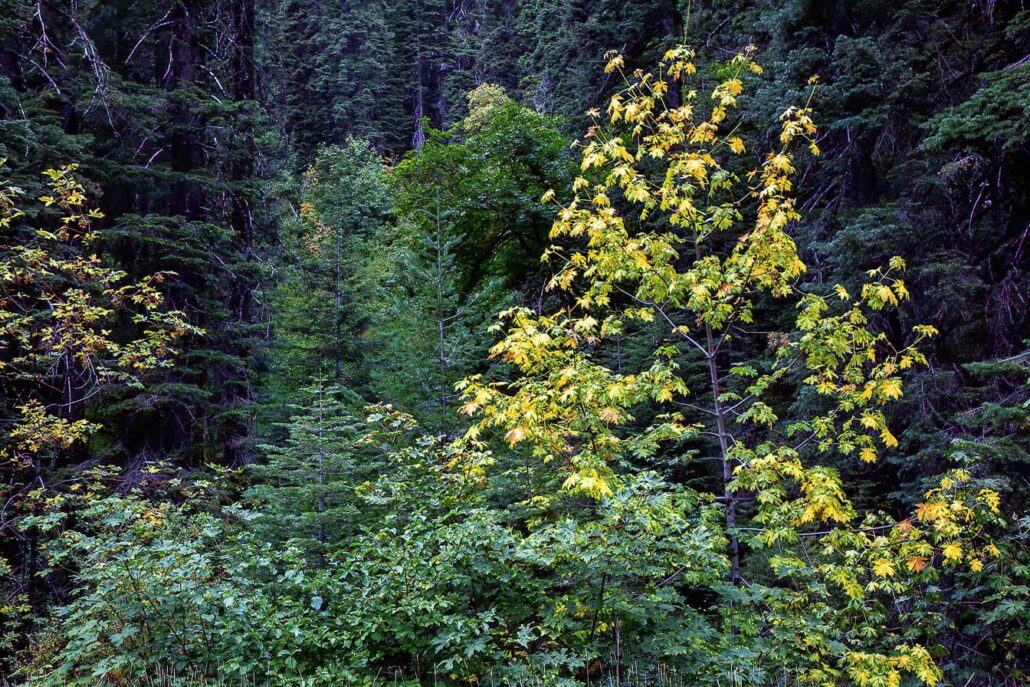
x: 419, y: 106
x: 240, y: 173
x: 727, y: 469
x: 729, y: 502
x: 440, y: 317
x: 339, y: 308
x: 242, y: 165
x: 184, y: 54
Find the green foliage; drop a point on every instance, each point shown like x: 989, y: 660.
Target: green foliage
x: 156, y: 102
x: 726, y: 435
x: 181, y: 416
x: 58, y: 354
x: 565, y: 42
x: 486, y: 176
x: 305, y: 488
x: 658, y: 184
x: 440, y: 584
x: 168, y: 588
x: 329, y: 270
x: 426, y: 336
x: 332, y: 64
x: 398, y: 312
x: 992, y: 117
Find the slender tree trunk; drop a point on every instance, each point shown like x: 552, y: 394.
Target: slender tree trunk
x: 441, y: 323
x: 241, y: 167
x: 617, y: 654
x: 727, y: 468
x: 729, y: 502
x: 339, y: 308
x: 419, y: 106
x: 184, y: 54
x: 418, y: 109
x: 241, y: 173
x: 320, y: 505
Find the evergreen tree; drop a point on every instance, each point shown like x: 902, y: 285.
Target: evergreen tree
x: 323, y: 299
x: 428, y: 335
x: 334, y: 74
x: 565, y: 43
x: 306, y: 485
x: 157, y: 101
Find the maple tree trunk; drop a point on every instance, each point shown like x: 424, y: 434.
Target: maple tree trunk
x: 727, y: 469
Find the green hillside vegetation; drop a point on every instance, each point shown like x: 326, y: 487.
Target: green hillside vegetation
x: 514, y: 342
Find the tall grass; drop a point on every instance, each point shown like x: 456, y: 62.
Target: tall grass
x: 652, y: 676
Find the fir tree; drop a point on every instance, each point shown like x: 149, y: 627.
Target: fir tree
x: 306, y: 485
x: 429, y: 334
x: 322, y: 302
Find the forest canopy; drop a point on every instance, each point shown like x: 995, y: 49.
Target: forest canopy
x: 529, y: 342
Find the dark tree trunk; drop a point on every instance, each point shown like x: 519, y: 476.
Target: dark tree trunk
x: 240, y: 173
x: 242, y: 157
x: 185, y: 54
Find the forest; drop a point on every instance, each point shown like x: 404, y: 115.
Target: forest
x: 542, y: 343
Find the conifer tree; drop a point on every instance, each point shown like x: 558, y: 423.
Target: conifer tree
x: 428, y: 334
x: 157, y: 103
x: 322, y: 302
x: 306, y: 485
x: 335, y: 74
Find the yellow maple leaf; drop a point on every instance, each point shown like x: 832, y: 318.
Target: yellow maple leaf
x: 515, y: 435
x: 886, y: 295
x: 888, y: 439
x: 891, y: 388
x: 990, y: 498
x: 883, y: 568
x: 928, y: 512
x: 952, y: 551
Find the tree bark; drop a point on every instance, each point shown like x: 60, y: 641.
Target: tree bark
x: 185, y: 53
x: 729, y: 502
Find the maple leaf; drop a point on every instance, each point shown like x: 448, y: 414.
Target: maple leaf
x: 916, y: 563
x: 890, y: 388
x: 515, y: 435
x: 883, y: 568
x: 888, y: 439
x: 952, y: 551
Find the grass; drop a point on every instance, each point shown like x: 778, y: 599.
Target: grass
x: 633, y: 677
